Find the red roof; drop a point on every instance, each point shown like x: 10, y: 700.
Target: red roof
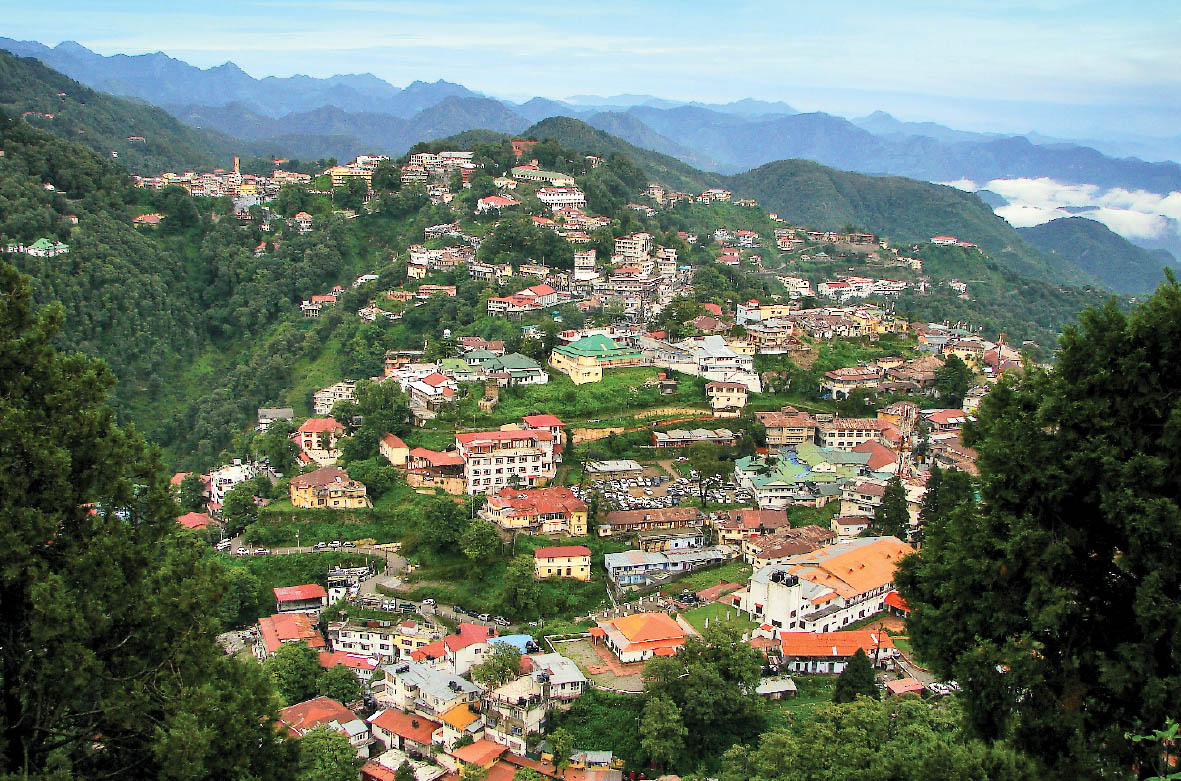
x: 895, y: 600
x: 308, y: 715
x: 177, y: 478
x: 392, y: 440
x: 469, y: 634
x: 499, y: 200
x: 434, y: 379
x: 406, y: 725
x: 880, y: 456
x: 713, y: 309
x: 482, y: 752
x: 560, y: 551
x: 540, y: 290
x: 194, y: 520
x: 316, y: 425
x: 542, y: 421
x: 437, y: 458
x: 300, y: 593
x: 288, y: 628
x: 351, y: 661
x: 834, y: 644
x: 503, y: 436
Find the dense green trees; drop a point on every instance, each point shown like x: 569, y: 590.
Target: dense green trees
x: 709, y: 681
x: 327, y: 755
x: 339, y: 683
x: 904, y: 739
x: 662, y: 731
x: 500, y: 666
x: 295, y: 669
x: 857, y: 679
x: 891, y: 518
x: 1055, y: 602
x: 953, y: 380
x: 107, y: 623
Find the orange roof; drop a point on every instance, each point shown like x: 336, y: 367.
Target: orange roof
x: 469, y: 634
x: 305, y: 716
x: 895, y: 600
x: 539, y: 421
x: 351, y: 661
x: 905, y: 686
x: 288, y: 628
x: 392, y: 440
x: 300, y: 593
x: 834, y: 644
x: 648, y: 628
x: 312, y: 425
x: 406, y: 725
x: 194, y: 520
x: 561, y: 551
x: 482, y: 752
x: 851, y: 568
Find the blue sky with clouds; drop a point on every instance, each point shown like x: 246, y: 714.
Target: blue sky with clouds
x: 1056, y: 65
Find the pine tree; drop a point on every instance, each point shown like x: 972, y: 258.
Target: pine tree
x: 856, y: 679
x: 107, y: 619
x: 892, y: 518
x: 1054, y: 603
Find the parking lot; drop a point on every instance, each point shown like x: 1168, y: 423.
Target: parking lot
x: 655, y: 488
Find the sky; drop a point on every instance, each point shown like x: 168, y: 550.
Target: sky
x: 1075, y: 68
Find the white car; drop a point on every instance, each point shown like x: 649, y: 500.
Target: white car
x: 428, y: 601
x: 242, y: 552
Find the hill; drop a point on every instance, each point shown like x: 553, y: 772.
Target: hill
x: 165, y: 81
x: 1109, y: 257
x: 107, y: 124
x: 903, y: 210
x: 331, y: 131
x: 582, y: 137
x: 629, y: 128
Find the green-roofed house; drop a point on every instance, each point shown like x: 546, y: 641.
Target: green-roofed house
x: 458, y: 369
x: 514, y: 369
x: 585, y: 359
x: 805, y: 474
x: 44, y: 248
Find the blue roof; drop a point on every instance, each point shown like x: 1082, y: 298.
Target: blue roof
x: 516, y: 641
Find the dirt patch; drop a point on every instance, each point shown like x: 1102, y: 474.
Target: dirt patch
x: 599, y: 665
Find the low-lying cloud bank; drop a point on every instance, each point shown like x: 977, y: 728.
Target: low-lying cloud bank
x: 1134, y: 214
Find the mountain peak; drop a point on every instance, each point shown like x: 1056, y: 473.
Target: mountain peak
x: 72, y: 47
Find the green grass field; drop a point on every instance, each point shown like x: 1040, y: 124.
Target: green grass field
x: 715, y: 612
x: 812, y: 691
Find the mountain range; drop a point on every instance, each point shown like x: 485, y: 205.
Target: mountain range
x: 726, y: 138
x: 1078, y: 252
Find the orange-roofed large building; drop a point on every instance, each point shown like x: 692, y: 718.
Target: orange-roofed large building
x: 274, y: 631
x: 305, y: 598
x: 196, y: 521
x: 639, y: 637
x: 553, y: 510
x: 826, y: 589
x: 829, y: 652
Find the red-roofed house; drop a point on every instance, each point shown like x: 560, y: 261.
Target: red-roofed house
x: 482, y: 753
x: 362, y: 666
x: 319, y: 435
x: 881, y: 458
x: 639, y: 637
x: 562, y: 561
x: 829, y: 652
x: 493, y: 459
x: 550, y: 423
x: 713, y: 309
x: 494, y: 203
x: 433, y: 391
x: 897, y: 605
x: 304, y: 717
x: 406, y: 732
x: 394, y: 450
x: 195, y: 521
x: 307, y: 598
x: 553, y: 510
x: 286, y: 628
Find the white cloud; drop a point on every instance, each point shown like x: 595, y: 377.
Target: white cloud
x: 1134, y: 214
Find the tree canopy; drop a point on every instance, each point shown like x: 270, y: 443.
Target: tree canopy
x: 1054, y: 602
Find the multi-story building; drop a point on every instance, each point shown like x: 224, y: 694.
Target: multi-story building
x: 419, y: 688
x: 632, y: 521
x: 726, y: 395
x: 554, y: 510
x: 318, y: 437
x: 634, y: 247
x: 788, y: 426
x: 585, y: 359
x: 274, y: 631
x: 517, y: 709
x: 567, y: 683
x: 306, y: 598
x: 562, y: 561
x: 494, y: 459
x: 824, y: 590
x: 222, y: 479
x: 561, y: 197
x: 384, y: 641
x: 531, y: 173
x: 848, y: 433
x: 328, y: 487
x: 839, y: 383
x: 325, y: 399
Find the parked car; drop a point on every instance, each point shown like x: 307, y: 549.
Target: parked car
x: 242, y: 552
x: 428, y: 601
x: 348, y: 545
x: 320, y: 546
x: 484, y: 617
x: 261, y: 552
x: 457, y: 610
x: 334, y: 545
x: 500, y: 621
x: 223, y: 545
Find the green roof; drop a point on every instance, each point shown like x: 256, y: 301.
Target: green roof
x: 511, y: 362
x: 597, y: 346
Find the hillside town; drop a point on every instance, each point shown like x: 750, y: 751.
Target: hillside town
x: 788, y: 508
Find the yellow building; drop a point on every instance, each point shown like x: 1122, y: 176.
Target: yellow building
x: 554, y: 510
x: 342, y: 173
x: 563, y: 561
x: 585, y: 359
x: 329, y: 487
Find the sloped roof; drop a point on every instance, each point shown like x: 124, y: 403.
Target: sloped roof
x: 406, y: 725
x: 307, y: 715
x: 648, y: 627
x: 300, y: 593
x: 561, y: 551
x: 834, y: 644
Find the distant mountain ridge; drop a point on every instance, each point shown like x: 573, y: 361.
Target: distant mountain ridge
x: 1111, y: 258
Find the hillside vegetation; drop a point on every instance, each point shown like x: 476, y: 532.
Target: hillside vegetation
x: 1101, y: 252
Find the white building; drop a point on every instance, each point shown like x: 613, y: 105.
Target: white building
x: 222, y: 479
x: 494, y: 459
x: 560, y: 197
x: 325, y: 399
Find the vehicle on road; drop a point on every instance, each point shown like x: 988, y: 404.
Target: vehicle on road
x: 348, y: 545
x: 242, y: 552
x: 335, y: 545
x: 484, y: 617
x: 261, y: 552
x: 320, y: 546
x: 224, y: 544
x: 500, y: 621
x: 459, y: 611
x: 428, y: 601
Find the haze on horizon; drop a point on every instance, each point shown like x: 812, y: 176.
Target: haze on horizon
x: 1071, y: 68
